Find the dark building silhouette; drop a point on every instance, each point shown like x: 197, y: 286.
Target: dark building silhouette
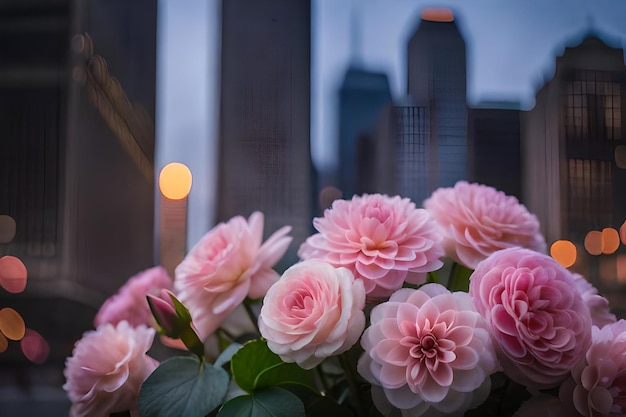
x: 362, y: 96
x: 75, y: 173
x: 264, y: 148
x: 437, y: 80
x: 494, y: 146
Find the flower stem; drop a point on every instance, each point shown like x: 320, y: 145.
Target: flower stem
x: 352, y: 382
x: 253, y: 318
x: 192, y: 342
x: 459, y: 278
x: 323, y: 380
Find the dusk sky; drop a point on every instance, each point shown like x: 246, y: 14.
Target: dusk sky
x: 512, y: 45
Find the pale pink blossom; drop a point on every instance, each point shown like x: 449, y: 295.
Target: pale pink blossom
x: 129, y: 303
x: 598, y: 384
x: 537, y: 318
x: 314, y: 311
x: 382, y: 240
x: 427, y: 352
x: 227, y: 265
x: 106, y: 370
x: 477, y: 220
x: 598, y: 306
x: 545, y: 406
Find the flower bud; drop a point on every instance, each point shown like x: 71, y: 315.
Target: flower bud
x: 164, y: 313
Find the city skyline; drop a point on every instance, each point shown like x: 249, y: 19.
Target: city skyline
x: 188, y: 68
x: 510, y: 66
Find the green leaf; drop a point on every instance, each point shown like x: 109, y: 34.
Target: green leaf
x: 180, y: 386
x: 270, y: 402
x: 255, y: 367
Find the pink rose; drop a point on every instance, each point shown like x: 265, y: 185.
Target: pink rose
x: 598, y: 305
x: 598, y: 384
x: 544, y: 406
x: 226, y: 266
x: 312, y: 312
x: 382, y: 240
x: 130, y: 301
x: 429, y: 352
x: 107, y: 368
x: 477, y: 220
x: 537, y: 318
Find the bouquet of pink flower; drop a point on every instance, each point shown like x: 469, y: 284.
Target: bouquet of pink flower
x: 453, y: 309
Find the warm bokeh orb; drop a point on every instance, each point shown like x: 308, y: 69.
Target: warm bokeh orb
x: 564, y: 252
x: 593, y: 242
x: 12, y: 324
x: 13, y: 274
x: 7, y: 228
x: 34, y: 347
x: 610, y: 240
x: 175, y: 181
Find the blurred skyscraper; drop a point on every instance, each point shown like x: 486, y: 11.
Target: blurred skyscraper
x: 573, y: 143
x: 494, y: 146
x: 264, y: 148
x: 362, y: 96
x: 76, y: 155
x: 437, y: 79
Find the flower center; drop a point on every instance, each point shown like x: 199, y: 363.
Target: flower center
x: 421, y: 348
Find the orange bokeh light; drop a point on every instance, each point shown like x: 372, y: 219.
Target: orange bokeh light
x: 175, y: 181
x: 438, y: 14
x: 564, y: 252
x: 593, y: 242
x: 13, y: 274
x: 12, y: 324
x: 622, y: 233
x: 610, y: 240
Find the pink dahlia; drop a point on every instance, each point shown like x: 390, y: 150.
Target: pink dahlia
x: 314, y: 311
x: 107, y: 368
x: 598, y: 306
x: 129, y: 303
x: 537, y: 317
x: 427, y: 352
x: 477, y: 220
x: 382, y: 240
x: 227, y: 265
x: 598, y: 383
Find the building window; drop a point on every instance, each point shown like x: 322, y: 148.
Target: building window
x: 413, y: 153
x: 594, y: 107
x: 590, y: 203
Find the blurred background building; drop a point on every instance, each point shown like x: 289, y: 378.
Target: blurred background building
x: 264, y: 146
x: 76, y: 172
x: 77, y: 148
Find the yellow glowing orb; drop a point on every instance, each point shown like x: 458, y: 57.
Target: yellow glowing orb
x: 175, y: 181
x: 564, y: 252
